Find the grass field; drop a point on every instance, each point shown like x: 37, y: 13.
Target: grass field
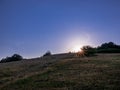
x: 62, y: 72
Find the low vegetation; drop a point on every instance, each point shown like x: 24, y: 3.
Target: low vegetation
x: 57, y: 72
x: 15, y: 57
x: 48, y: 53
x: 88, y: 51
x: 109, y: 47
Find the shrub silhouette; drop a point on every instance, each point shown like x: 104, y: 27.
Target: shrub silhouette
x: 48, y: 53
x: 109, y: 47
x: 15, y: 57
x: 88, y: 50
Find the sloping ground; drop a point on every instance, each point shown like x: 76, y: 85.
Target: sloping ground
x: 62, y: 72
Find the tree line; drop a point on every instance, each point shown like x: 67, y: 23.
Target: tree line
x: 109, y: 47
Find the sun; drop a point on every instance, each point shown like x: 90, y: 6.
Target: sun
x: 75, y: 42
x: 76, y: 48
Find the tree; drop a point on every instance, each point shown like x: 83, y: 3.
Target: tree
x: 88, y: 50
x: 15, y: 57
x: 109, y: 47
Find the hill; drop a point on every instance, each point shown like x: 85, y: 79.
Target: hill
x: 62, y: 72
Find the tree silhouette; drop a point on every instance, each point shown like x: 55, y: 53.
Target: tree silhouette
x: 48, y: 53
x: 109, y: 47
x: 15, y: 57
x: 88, y: 50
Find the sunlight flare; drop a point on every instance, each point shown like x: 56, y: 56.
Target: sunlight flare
x: 76, y: 48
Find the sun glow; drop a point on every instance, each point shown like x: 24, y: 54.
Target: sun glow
x: 76, y: 48
x: 75, y: 42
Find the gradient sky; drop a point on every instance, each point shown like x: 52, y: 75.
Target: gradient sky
x: 31, y: 27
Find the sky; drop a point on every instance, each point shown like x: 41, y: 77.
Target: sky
x: 32, y: 27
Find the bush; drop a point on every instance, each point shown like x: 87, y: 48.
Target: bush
x: 88, y: 50
x: 108, y: 50
x: 15, y: 57
x: 109, y: 47
x: 48, y: 53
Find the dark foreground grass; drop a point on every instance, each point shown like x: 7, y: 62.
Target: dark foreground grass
x: 101, y: 72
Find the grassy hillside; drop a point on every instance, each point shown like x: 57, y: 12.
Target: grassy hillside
x: 62, y: 72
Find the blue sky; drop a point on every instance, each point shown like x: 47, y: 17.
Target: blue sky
x: 31, y: 27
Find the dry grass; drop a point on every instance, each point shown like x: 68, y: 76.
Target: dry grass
x: 62, y: 72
